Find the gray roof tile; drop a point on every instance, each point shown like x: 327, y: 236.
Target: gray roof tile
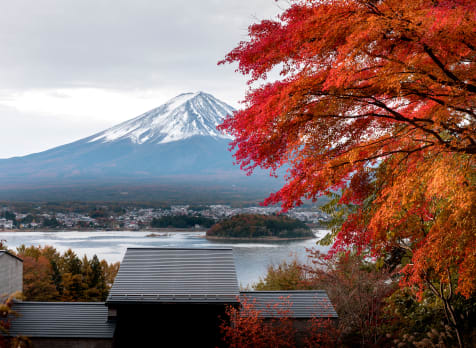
x: 176, y: 275
x: 301, y: 304
x: 61, y: 319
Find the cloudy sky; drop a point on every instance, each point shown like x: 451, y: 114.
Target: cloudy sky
x: 71, y: 68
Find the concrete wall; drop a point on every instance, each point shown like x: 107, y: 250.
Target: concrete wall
x: 11, y: 274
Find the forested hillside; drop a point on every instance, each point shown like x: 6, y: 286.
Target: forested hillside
x: 259, y: 226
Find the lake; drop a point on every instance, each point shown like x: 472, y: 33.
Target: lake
x: 252, y: 259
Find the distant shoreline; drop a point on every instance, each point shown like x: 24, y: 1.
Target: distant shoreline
x: 258, y: 239
x: 171, y: 229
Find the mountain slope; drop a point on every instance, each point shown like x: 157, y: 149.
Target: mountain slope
x: 185, y: 116
x: 179, y: 138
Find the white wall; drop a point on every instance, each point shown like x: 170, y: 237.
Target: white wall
x: 11, y: 274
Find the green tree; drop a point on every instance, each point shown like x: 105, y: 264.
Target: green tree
x: 285, y: 276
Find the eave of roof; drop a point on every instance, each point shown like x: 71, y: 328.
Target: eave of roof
x: 61, y: 320
x: 10, y: 254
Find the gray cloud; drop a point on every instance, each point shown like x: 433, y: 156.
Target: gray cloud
x: 50, y: 48
x: 120, y: 44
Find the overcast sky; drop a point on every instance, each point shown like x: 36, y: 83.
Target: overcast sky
x: 70, y: 68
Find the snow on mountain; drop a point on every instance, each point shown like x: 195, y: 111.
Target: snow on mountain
x: 182, y: 117
x: 175, y: 146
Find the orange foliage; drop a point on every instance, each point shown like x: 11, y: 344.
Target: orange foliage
x: 377, y: 98
x: 7, y: 314
x: 37, y: 284
x: 50, y: 276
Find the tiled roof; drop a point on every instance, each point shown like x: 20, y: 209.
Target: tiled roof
x: 176, y: 275
x: 61, y: 319
x: 301, y: 304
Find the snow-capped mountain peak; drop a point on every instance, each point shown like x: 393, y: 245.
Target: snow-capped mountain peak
x: 186, y: 115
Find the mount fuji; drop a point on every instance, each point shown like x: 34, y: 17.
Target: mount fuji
x: 177, y: 141
x: 185, y: 116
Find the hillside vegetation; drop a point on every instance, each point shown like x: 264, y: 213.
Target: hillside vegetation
x: 181, y: 221
x: 260, y: 226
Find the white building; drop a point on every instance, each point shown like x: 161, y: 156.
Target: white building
x: 6, y: 224
x: 11, y: 274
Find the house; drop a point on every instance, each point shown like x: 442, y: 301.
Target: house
x: 6, y: 224
x: 11, y: 274
x: 159, y: 295
x: 159, y: 292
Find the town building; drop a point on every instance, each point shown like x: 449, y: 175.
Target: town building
x: 6, y: 224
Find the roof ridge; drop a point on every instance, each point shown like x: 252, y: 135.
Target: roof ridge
x: 176, y: 248
x: 276, y: 291
x: 58, y: 303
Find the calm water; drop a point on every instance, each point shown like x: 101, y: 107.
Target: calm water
x: 252, y: 259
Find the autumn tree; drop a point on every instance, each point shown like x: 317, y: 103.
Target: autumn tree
x: 7, y: 315
x: 73, y: 282
x: 357, y: 290
x: 95, y: 280
x: 376, y: 101
x: 248, y: 326
x: 37, y: 279
x: 284, y: 276
x: 415, y: 323
x: 51, y: 276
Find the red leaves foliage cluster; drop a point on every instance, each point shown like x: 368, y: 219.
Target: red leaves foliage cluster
x: 248, y: 327
x: 376, y: 98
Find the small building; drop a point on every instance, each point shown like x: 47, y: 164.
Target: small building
x: 172, y: 295
x: 11, y: 274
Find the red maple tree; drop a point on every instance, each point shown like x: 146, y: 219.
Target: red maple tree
x: 377, y: 100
